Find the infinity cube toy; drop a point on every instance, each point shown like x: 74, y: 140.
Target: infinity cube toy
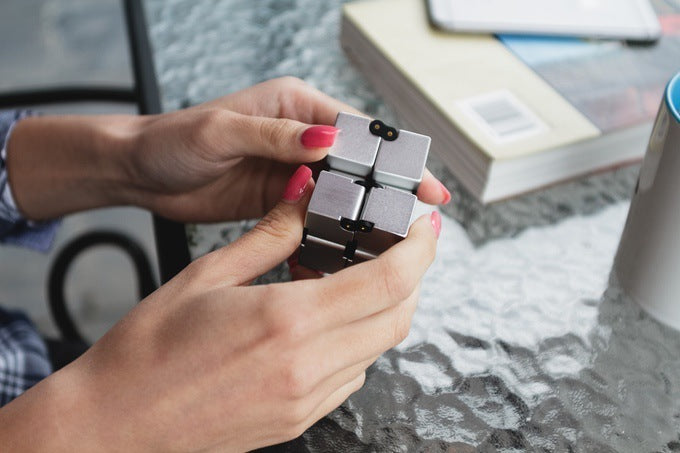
x: 363, y: 204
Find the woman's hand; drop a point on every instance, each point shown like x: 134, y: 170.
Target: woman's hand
x: 210, y: 363
x: 223, y: 160
x: 230, y: 158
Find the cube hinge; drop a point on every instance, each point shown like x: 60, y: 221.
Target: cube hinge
x: 383, y: 131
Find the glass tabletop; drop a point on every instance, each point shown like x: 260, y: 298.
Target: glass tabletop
x: 522, y: 340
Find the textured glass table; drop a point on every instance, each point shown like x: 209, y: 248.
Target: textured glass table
x: 522, y: 341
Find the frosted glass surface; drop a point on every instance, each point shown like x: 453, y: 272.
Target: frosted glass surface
x: 521, y: 340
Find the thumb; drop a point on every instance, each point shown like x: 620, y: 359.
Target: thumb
x: 281, y: 139
x: 275, y: 237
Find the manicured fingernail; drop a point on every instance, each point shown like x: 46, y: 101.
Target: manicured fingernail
x: 297, y: 184
x: 436, y: 221
x: 319, y: 136
x: 445, y: 192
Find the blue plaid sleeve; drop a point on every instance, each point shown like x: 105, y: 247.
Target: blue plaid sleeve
x: 23, y: 355
x: 14, y: 229
x: 24, y: 360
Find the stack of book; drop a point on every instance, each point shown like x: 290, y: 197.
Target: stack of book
x: 511, y: 114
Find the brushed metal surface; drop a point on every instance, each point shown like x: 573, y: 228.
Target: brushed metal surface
x: 390, y: 211
x: 322, y: 255
x: 355, y: 148
x: 335, y: 196
x: 400, y: 163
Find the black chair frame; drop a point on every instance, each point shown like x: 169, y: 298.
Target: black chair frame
x: 171, y: 240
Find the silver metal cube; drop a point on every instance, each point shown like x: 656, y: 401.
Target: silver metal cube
x: 347, y: 223
x: 334, y: 207
x: 401, y: 163
x: 322, y: 255
x: 385, y: 220
x: 355, y: 148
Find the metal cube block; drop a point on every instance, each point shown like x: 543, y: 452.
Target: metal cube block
x: 355, y: 148
x: 347, y: 223
x: 321, y: 255
x: 334, y: 206
x: 401, y: 163
x: 336, y: 197
x: 388, y: 213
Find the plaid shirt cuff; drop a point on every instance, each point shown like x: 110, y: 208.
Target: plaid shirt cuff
x: 24, y: 360
x: 14, y: 228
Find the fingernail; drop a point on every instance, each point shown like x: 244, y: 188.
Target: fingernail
x: 445, y: 191
x: 297, y: 184
x: 319, y: 136
x: 436, y: 221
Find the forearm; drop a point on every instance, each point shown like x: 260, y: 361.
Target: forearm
x: 50, y: 417
x: 63, y: 164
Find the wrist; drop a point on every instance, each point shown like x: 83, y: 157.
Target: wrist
x: 52, y: 416
x: 115, y: 141
x: 59, y: 165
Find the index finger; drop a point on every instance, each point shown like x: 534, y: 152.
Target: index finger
x: 373, y: 286
x: 291, y: 98
x: 286, y: 97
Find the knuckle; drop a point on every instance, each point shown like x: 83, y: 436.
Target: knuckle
x: 293, y: 96
x: 204, y: 120
x: 395, y: 280
x: 296, y: 381
x: 277, y: 225
x: 282, y: 324
x: 274, y: 132
x: 206, y: 129
x: 201, y: 272
x: 291, y: 82
x: 198, y: 269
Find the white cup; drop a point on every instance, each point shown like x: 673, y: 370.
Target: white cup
x: 648, y: 260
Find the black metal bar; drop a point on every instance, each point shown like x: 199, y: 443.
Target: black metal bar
x: 56, y: 95
x: 171, y: 238
x: 62, y: 263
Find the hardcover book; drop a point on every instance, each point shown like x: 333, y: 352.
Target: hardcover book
x: 511, y: 114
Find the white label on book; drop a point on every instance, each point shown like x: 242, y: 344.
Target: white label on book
x: 502, y: 116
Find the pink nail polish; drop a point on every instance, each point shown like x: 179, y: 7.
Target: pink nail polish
x: 319, y: 136
x: 445, y: 191
x: 436, y: 221
x: 297, y: 184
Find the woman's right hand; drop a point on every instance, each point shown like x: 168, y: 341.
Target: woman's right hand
x: 208, y: 362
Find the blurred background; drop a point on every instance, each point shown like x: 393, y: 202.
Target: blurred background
x: 71, y: 42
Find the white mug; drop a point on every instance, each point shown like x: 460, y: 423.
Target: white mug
x: 648, y: 260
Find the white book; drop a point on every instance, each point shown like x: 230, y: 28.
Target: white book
x: 510, y: 115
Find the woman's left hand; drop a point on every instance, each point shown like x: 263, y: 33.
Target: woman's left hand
x: 230, y: 158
